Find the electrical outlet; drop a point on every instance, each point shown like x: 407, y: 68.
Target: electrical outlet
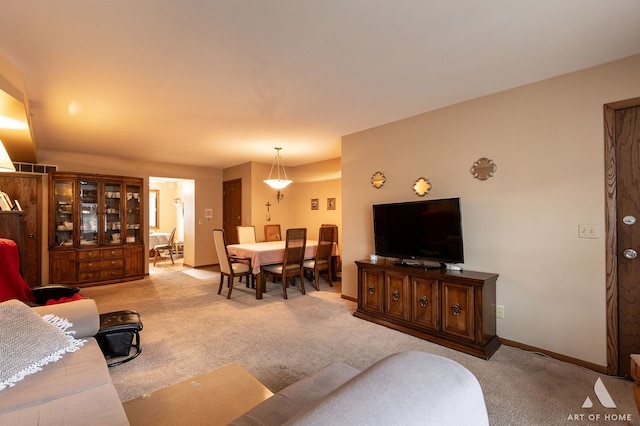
x: 500, y: 311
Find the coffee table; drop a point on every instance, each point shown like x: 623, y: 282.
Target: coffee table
x: 213, y: 398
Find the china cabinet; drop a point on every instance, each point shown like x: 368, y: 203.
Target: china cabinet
x: 451, y: 308
x: 95, y: 228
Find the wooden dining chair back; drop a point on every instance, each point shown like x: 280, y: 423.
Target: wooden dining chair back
x: 230, y: 266
x: 246, y: 234
x: 272, y: 232
x: 159, y: 248
x: 292, y: 263
x: 336, y: 262
x: 322, y: 261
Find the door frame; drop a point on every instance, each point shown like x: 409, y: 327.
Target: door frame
x: 611, y: 239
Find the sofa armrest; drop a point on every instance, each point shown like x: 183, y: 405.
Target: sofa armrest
x: 83, y: 314
x: 408, y: 388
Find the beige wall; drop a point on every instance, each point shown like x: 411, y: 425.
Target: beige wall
x: 315, y: 180
x: 206, y: 193
x: 547, y: 141
x: 12, y: 81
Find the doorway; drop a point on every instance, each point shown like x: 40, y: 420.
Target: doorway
x: 170, y: 201
x: 622, y: 222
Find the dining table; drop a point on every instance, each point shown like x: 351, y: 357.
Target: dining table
x: 267, y: 253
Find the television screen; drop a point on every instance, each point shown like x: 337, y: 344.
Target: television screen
x: 429, y: 230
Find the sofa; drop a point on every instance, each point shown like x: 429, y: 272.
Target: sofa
x: 407, y: 388
x: 75, y: 390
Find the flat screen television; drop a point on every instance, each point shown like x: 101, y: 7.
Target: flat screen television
x: 422, y: 233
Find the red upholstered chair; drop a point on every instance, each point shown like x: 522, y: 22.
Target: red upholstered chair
x: 13, y: 286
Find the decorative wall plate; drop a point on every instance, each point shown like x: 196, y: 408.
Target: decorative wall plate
x: 422, y: 186
x: 483, y: 169
x: 378, y: 179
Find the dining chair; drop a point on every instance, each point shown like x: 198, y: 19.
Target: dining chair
x: 230, y: 266
x: 272, y: 232
x: 159, y: 248
x: 322, y: 261
x: 336, y: 260
x: 246, y: 234
x: 291, y: 266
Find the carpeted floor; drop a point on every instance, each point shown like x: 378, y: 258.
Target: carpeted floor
x: 189, y: 329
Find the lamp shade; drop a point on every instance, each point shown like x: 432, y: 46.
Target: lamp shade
x: 6, y: 165
x: 277, y: 182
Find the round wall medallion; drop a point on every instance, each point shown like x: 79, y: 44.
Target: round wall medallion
x: 483, y: 169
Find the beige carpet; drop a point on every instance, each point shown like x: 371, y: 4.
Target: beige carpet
x: 189, y: 329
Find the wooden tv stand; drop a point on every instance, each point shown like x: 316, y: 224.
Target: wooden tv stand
x: 452, y: 308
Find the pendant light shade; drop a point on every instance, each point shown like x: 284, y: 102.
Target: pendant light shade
x: 6, y: 165
x: 276, y: 182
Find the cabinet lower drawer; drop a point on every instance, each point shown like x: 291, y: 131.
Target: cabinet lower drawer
x: 100, y: 264
x: 100, y: 274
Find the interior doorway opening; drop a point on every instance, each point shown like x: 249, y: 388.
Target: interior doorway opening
x: 171, y: 204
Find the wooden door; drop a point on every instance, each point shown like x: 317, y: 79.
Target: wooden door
x: 457, y: 310
x: 624, y: 243
x: 425, y: 302
x: 231, y: 209
x: 370, y: 289
x: 396, y: 295
x: 27, y: 190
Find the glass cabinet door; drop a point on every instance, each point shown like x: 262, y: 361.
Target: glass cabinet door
x: 134, y: 192
x: 112, y: 213
x: 88, y: 213
x: 63, y: 202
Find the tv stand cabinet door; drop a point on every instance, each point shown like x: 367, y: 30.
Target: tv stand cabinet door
x: 458, y: 310
x: 425, y: 302
x: 371, y: 290
x: 397, y: 295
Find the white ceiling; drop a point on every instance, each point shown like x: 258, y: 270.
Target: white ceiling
x: 222, y: 82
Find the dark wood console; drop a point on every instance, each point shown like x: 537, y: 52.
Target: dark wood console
x: 452, y: 308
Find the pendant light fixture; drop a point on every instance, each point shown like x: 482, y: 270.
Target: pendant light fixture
x: 276, y: 182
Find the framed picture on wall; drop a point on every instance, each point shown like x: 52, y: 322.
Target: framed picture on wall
x: 331, y: 203
x: 315, y: 204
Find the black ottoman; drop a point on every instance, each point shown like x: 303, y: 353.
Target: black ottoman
x: 116, y: 335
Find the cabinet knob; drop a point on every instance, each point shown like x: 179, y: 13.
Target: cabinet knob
x: 395, y: 295
x: 455, y: 309
x: 372, y: 289
x: 424, y: 301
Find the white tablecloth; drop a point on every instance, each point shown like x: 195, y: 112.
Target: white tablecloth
x: 158, y: 238
x: 267, y: 253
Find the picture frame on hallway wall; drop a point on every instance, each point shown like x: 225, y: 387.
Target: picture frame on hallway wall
x: 331, y: 203
x: 315, y: 204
